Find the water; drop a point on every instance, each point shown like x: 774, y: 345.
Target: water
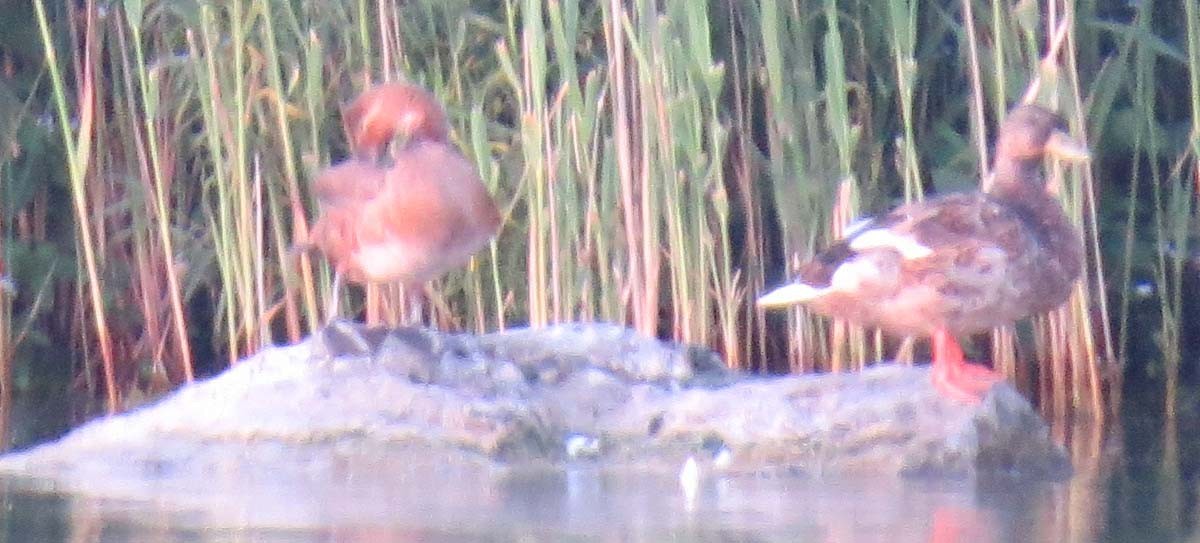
x: 1131, y: 485
x: 584, y: 504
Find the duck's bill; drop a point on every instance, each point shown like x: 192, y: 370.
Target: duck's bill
x: 1063, y: 147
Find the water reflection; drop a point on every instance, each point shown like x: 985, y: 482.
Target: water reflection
x: 1111, y: 496
x: 1154, y: 484
x: 579, y: 503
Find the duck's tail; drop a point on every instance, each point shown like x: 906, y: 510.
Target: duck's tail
x: 867, y: 260
x: 790, y: 294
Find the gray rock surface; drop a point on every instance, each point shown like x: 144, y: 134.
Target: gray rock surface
x: 367, y: 402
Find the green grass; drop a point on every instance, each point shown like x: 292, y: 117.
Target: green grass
x: 658, y: 164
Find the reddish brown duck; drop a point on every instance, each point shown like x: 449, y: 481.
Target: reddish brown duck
x: 959, y: 263
x: 385, y: 111
x: 408, y: 218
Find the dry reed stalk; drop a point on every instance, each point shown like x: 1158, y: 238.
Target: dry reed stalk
x: 629, y: 155
x: 78, y: 161
x: 635, y: 294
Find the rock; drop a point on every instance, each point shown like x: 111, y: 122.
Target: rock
x: 413, y: 399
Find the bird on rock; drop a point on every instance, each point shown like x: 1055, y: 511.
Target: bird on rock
x: 959, y: 263
x: 407, y: 216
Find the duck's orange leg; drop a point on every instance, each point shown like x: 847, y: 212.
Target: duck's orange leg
x: 953, y: 376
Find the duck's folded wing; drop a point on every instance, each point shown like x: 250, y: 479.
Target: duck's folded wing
x: 883, y: 253
x: 350, y: 182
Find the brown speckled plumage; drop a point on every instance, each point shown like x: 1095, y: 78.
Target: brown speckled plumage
x: 993, y: 257
x: 992, y: 262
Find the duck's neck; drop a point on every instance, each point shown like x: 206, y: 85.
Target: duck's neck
x: 1018, y: 180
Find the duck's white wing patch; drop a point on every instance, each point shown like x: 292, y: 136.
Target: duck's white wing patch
x: 790, y: 294
x: 851, y: 274
x: 865, y: 273
x: 882, y: 238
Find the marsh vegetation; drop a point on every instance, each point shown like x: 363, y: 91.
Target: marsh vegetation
x: 658, y: 164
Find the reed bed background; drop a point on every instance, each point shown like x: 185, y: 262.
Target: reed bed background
x: 658, y: 163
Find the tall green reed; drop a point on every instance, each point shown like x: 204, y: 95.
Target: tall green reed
x: 78, y: 143
x: 657, y: 162
x: 1184, y: 199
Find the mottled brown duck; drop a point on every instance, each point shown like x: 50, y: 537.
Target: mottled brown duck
x: 959, y: 263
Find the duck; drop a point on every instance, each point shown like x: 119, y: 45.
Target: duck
x: 406, y: 216
x: 387, y: 110
x: 958, y: 263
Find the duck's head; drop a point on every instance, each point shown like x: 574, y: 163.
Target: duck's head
x: 1031, y: 132
x: 400, y: 113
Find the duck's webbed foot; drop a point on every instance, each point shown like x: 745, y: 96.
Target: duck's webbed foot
x: 953, y: 376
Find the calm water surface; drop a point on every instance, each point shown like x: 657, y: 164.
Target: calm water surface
x: 1132, y: 485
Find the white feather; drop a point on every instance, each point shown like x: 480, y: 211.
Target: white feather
x: 858, y: 273
x: 909, y: 248
x: 790, y: 294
